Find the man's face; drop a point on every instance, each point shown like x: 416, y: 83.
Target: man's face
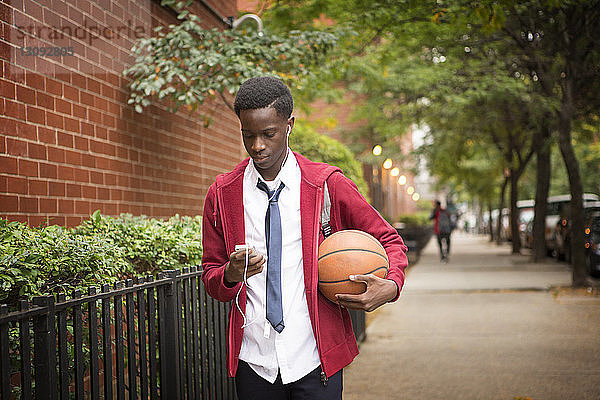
x: 265, y: 139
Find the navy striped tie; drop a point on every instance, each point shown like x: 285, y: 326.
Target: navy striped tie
x: 273, y: 236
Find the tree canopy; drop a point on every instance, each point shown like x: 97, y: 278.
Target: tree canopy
x: 510, y: 77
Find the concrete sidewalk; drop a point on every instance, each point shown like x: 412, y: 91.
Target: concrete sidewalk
x: 484, y: 326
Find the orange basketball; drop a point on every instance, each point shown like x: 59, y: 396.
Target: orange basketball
x: 349, y: 252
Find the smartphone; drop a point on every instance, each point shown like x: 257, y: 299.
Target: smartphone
x: 241, y: 247
x: 250, y: 248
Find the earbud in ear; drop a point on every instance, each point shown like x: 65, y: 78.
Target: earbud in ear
x: 288, y: 130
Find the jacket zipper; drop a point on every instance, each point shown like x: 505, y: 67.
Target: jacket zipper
x: 230, y: 340
x: 223, y: 226
x: 323, y: 378
x: 316, y: 280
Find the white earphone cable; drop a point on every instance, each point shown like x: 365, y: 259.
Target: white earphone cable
x: 237, y: 296
x: 245, y: 281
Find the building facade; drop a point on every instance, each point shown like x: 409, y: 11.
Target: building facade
x: 69, y: 142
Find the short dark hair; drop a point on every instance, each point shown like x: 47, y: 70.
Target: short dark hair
x: 262, y: 92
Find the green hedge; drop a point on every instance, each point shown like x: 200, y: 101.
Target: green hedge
x: 150, y: 245
x: 419, y: 219
x: 37, y: 261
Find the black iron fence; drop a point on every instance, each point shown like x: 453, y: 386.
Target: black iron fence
x: 151, y: 339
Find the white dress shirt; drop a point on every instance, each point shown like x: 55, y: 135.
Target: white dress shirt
x: 293, y: 352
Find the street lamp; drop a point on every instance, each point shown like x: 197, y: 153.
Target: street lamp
x: 395, y: 171
x: 410, y: 190
x: 402, y: 180
x: 387, y: 164
x: 377, y: 150
x: 234, y: 23
x: 416, y: 196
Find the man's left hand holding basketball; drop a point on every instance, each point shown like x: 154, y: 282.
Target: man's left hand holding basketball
x: 379, y: 291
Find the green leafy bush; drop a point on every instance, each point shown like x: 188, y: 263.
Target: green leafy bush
x: 36, y: 261
x: 420, y: 218
x: 39, y: 261
x: 150, y: 245
x: 187, y: 63
x: 321, y: 148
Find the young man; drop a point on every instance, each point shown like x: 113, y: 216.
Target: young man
x: 285, y: 340
x: 442, y: 227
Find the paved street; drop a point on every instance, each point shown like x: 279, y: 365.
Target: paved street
x: 484, y: 326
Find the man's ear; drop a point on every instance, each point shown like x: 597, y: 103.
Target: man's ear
x: 290, y: 125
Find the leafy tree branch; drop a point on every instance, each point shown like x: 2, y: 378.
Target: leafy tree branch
x: 187, y: 64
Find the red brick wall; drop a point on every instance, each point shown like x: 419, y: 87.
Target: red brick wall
x: 70, y: 144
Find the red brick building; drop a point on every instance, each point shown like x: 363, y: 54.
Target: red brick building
x: 70, y: 143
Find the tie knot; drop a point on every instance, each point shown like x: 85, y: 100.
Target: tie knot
x: 273, y: 195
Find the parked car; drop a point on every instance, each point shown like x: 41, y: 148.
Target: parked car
x: 592, y: 244
x: 526, y: 232
x: 557, y: 216
x: 526, y: 214
x: 562, y: 234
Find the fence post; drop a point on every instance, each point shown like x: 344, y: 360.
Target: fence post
x: 4, y: 356
x: 171, y: 339
x: 44, y: 349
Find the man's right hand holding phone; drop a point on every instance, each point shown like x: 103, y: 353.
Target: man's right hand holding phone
x: 234, y: 271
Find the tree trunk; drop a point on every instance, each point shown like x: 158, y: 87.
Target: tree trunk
x: 572, y: 165
x: 543, y: 147
x: 500, y: 207
x: 480, y: 218
x: 514, y: 212
x: 490, y: 221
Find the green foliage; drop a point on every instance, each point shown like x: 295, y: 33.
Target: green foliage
x: 39, y: 261
x: 150, y: 245
x: 187, y: 63
x: 36, y: 261
x: 419, y: 219
x: 589, y: 161
x: 424, y: 206
x: 321, y: 148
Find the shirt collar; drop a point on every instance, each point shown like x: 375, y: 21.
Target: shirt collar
x: 285, y: 175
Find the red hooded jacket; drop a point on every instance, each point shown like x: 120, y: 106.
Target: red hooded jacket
x: 223, y: 228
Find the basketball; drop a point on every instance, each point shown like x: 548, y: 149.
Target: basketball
x: 349, y: 252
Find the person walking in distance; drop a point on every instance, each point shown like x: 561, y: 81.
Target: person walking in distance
x: 285, y: 339
x: 442, y: 227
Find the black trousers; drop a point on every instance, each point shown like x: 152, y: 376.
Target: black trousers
x: 250, y: 386
x: 444, y: 238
